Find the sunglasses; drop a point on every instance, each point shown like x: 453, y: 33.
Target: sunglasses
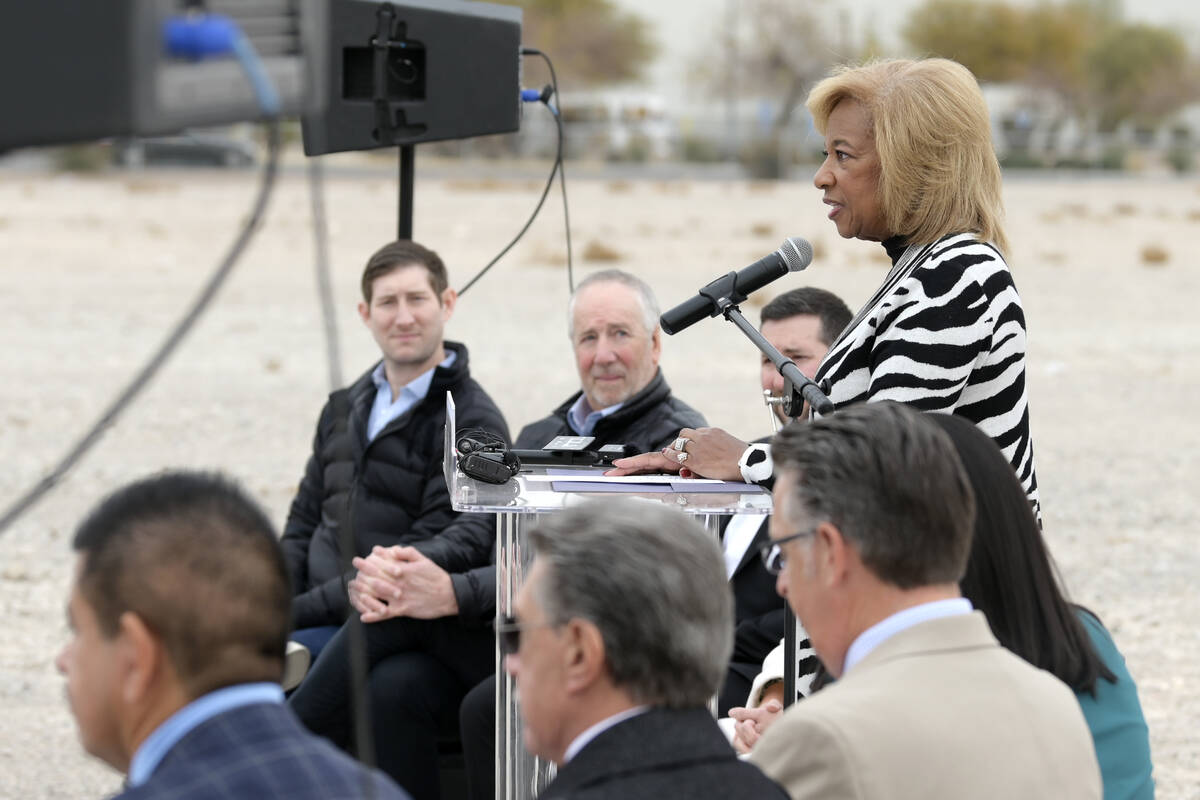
x: 508, y: 633
x: 772, y: 554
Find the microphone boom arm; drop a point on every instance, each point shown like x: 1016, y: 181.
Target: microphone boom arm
x: 797, y: 387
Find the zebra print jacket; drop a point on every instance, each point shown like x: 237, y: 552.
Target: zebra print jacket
x: 944, y: 332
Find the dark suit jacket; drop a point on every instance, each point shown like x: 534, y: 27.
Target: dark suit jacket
x: 259, y: 752
x: 661, y: 754
x: 758, y: 615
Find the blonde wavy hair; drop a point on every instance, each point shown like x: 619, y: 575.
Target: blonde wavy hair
x: 938, y: 169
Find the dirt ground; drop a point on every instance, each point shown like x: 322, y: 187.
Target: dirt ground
x: 96, y: 269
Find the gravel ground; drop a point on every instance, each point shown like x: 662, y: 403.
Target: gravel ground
x: 97, y: 268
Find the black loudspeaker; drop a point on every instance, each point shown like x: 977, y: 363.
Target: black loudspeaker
x: 72, y: 71
x: 419, y: 71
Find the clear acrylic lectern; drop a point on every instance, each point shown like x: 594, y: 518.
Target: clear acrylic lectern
x: 517, y: 504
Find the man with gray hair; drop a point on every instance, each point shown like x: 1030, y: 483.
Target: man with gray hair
x: 612, y: 319
x: 613, y: 666
x: 872, y: 527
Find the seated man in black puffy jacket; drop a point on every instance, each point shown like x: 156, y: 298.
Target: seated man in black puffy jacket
x: 376, y: 464
x: 430, y: 606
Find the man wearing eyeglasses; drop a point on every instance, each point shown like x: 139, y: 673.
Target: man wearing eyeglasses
x: 613, y: 666
x: 870, y: 535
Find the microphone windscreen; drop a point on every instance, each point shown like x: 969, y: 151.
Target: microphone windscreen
x: 797, y: 253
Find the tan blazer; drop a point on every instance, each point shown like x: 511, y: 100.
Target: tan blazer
x: 940, y: 710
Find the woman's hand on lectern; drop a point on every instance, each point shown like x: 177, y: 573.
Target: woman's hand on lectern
x: 696, y: 452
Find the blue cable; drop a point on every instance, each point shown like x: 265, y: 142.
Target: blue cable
x: 211, y: 35
x: 264, y: 88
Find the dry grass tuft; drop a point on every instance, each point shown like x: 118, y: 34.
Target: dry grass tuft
x: 819, y: 249
x: 1056, y: 258
x: 596, y: 251
x: 762, y: 187
x: 1154, y: 255
x: 619, y: 187
x: 1125, y: 209
x: 149, y: 186
x: 1075, y: 209
x: 480, y: 185
x: 762, y: 229
x: 272, y: 365
x: 1050, y: 217
x: 673, y: 187
x: 1194, y: 215
x: 546, y: 255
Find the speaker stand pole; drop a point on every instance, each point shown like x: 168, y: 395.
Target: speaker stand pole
x: 407, y: 171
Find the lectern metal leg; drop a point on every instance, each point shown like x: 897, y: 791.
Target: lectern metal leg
x: 519, y: 775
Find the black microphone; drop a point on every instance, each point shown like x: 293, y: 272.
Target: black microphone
x: 793, y: 255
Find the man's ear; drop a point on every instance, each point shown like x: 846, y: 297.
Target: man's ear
x: 583, y: 655
x: 656, y: 344
x: 831, y: 554
x: 144, y: 658
x: 364, y: 311
x: 449, y: 301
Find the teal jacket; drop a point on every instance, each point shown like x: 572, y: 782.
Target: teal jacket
x: 1118, y: 727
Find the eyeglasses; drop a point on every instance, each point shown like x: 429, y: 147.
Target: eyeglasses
x: 772, y: 553
x: 508, y: 632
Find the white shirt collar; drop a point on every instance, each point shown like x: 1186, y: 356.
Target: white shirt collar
x: 581, y: 741
x: 885, y: 629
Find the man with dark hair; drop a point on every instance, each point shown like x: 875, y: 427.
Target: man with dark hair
x: 614, y: 666
x: 870, y: 536
x: 376, y: 464
x: 802, y: 324
x: 179, y: 612
x: 429, y: 607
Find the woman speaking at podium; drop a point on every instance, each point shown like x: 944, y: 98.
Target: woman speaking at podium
x: 909, y: 163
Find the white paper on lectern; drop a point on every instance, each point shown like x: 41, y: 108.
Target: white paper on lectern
x: 585, y: 478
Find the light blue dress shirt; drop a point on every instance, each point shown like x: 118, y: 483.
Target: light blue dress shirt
x: 583, y: 420
x: 185, y: 720
x: 385, y: 409
x: 885, y: 629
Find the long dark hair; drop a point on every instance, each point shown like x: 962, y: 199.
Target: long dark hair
x: 1010, y: 576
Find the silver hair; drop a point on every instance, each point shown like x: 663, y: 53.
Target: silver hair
x: 653, y: 582
x: 645, y: 295
x: 891, y: 482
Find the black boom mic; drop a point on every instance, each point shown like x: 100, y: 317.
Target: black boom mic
x: 793, y: 256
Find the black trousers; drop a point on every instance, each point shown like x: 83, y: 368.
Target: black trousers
x: 419, y: 672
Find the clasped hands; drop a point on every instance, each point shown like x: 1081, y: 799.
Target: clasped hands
x: 400, y: 582
x: 696, y: 453
x: 751, y: 723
